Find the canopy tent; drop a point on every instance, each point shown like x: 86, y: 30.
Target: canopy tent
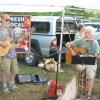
x: 46, y: 6
x: 28, y: 8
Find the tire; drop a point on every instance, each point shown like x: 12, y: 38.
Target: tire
x: 31, y: 59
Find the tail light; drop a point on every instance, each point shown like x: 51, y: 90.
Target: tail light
x: 54, y: 43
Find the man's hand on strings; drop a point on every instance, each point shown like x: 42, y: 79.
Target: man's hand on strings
x: 68, y: 45
x: 4, y: 44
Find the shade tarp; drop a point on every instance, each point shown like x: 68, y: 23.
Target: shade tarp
x: 28, y: 8
x: 45, y: 5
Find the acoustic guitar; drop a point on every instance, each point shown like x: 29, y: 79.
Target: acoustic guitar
x: 4, y: 50
x: 77, y: 50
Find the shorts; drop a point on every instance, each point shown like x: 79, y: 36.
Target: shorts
x: 90, y: 70
x: 8, y: 66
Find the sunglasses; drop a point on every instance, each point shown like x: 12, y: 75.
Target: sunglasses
x: 8, y: 20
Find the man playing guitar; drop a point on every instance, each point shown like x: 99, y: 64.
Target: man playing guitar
x: 92, y: 47
x: 8, y: 65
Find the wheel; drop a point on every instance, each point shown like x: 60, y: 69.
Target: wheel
x: 32, y: 58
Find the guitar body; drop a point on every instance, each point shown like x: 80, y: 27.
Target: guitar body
x: 4, y: 50
x: 77, y: 50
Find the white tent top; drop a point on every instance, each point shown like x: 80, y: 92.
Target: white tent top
x: 45, y: 5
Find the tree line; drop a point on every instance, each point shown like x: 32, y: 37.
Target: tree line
x: 74, y: 11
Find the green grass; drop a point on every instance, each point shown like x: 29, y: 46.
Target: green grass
x: 62, y: 77
x: 32, y: 91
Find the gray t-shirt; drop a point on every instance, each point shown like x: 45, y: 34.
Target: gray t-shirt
x: 92, y: 47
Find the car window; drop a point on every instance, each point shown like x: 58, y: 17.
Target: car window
x: 71, y: 26
x: 41, y: 27
x: 68, y: 26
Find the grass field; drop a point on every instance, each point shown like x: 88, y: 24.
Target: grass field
x: 32, y: 91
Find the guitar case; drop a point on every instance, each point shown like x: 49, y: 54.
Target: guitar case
x: 30, y: 78
x: 23, y: 78
x: 39, y: 79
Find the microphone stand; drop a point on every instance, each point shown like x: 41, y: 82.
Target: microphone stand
x: 55, y: 97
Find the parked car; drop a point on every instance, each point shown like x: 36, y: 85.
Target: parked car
x: 47, y: 31
x: 96, y: 20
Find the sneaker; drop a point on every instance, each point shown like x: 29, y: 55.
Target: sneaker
x: 89, y: 97
x: 6, y: 90
x: 13, y: 88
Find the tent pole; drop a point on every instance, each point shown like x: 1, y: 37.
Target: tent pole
x: 61, y: 37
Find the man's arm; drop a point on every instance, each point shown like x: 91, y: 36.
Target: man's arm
x: 97, y: 50
x: 2, y: 43
x: 69, y: 45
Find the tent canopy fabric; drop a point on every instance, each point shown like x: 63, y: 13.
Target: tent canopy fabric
x: 45, y: 5
x: 28, y: 8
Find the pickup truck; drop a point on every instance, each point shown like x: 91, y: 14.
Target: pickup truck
x: 45, y: 40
